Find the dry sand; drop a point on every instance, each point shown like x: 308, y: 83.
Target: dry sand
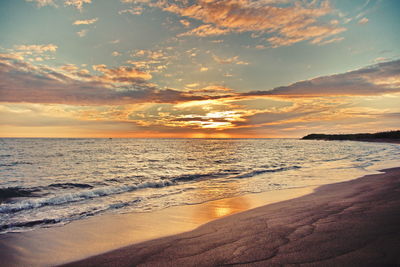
x: 353, y: 223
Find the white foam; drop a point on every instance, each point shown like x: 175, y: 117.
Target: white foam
x: 82, y: 195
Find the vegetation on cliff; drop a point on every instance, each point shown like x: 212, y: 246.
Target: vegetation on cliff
x: 391, y: 135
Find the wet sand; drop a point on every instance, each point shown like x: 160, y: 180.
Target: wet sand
x: 353, y: 223
x: 99, y: 234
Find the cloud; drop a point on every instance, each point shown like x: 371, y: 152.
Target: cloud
x: 286, y: 22
x: 324, y: 99
x: 30, y: 52
x: 37, y: 48
x: 24, y: 82
x: 34, y: 115
x: 135, y: 1
x: 121, y: 74
x: 13, y: 56
x: 231, y: 60
x: 42, y: 3
x: 205, y: 30
x: 315, y: 33
x: 192, y: 85
x: 330, y: 41
x: 212, y: 90
x: 185, y: 22
x: 134, y: 11
x: 71, y: 68
x: 150, y: 54
x: 82, y: 33
x: 78, y: 4
x: 85, y: 22
x: 152, y: 60
x: 203, y: 114
x: 363, y: 21
x: 382, y: 78
x: 211, y: 120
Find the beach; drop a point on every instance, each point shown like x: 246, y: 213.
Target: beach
x: 236, y: 207
x: 352, y: 223
x: 95, y: 235
x: 199, y: 133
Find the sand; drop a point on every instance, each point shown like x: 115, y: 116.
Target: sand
x: 99, y: 234
x: 353, y: 223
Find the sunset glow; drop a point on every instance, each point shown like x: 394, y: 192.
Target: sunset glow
x: 199, y: 69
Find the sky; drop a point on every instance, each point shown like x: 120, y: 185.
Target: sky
x: 198, y: 69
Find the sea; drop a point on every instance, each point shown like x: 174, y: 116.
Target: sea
x: 50, y: 182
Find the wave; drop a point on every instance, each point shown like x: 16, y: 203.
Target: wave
x: 92, y: 193
x: 70, y: 185
x: 79, y: 196
x: 20, y: 226
x: 228, y: 174
x: 6, y: 227
x: 193, y: 177
x: 11, y: 164
x: 13, y: 192
x: 258, y: 172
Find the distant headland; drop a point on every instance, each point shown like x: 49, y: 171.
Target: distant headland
x: 390, y: 136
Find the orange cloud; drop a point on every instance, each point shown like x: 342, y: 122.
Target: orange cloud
x: 23, y: 82
x: 205, y: 30
x: 13, y: 56
x: 86, y: 21
x: 288, y: 22
x: 70, y: 68
x: 151, y: 60
x: 37, y: 48
x: 363, y: 21
x: 315, y: 33
x: 121, y: 74
x: 135, y: 1
x: 185, y: 22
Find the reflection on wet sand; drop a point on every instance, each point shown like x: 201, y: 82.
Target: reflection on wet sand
x: 219, y: 208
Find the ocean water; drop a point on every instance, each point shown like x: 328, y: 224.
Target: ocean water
x: 48, y: 182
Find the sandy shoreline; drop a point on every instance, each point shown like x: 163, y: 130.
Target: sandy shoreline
x: 353, y: 223
x: 99, y: 234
